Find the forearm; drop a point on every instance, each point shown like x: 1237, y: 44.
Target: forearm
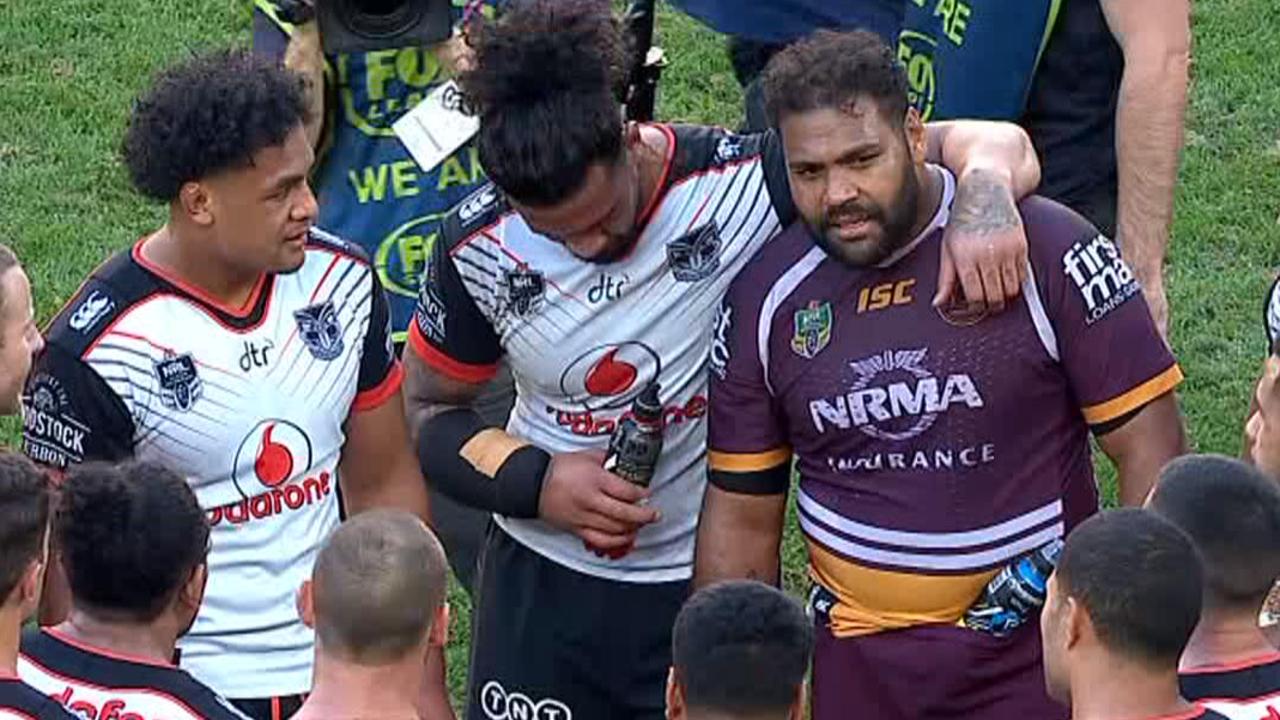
x: 397, y: 484
x: 1149, y: 133
x: 1001, y: 149
x: 739, y: 537
x: 480, y: 466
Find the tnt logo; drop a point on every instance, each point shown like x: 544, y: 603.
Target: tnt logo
x: 1101, y: 276
x: 498, y: 704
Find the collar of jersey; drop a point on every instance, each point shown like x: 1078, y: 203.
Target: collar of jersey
x: 65, y: 639
x: 244, y: 312
x: 939, y: 220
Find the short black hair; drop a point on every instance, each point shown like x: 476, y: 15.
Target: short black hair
x: 1231, y: 512
x: 210, y: 113
x: 130, y: 535
x: 547, y: 85
x: 1138, y: 577
x: 24, y: 518
x: 832, y: 69
x: 741, y: 647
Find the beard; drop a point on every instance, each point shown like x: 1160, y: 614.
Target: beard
x: 889, y: 225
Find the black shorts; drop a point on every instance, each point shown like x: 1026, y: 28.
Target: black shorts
x: 274, y: 708
x: 551, y: 643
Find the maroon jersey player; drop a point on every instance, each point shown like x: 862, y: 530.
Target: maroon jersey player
x: 933, y: 447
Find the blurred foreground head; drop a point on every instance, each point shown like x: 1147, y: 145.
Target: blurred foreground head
x: 740, y: 650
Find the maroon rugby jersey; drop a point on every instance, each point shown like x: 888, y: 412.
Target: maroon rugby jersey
x: 932, y: 447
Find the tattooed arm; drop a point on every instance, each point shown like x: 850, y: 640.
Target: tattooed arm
x: 985, y: 252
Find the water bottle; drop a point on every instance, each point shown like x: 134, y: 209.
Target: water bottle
x: 637, y: 441
x: 1015, y: 593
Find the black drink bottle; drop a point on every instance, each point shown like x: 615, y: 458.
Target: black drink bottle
x: 637, y: 441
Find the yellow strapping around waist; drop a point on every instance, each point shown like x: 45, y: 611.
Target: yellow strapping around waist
x: 873, y: 600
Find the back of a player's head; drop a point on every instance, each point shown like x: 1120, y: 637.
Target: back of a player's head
x: 832, y: 70
x: 24, y: 520
x: 207, y: 114
x: 1231, y: 512
x: 131, y: 537
x: 546, y: 84
x: 378, y: 583
x: 741, y: 648
x: 1138, y: 579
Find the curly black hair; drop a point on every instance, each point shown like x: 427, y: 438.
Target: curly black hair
x: 209, y: 113
x: 130, y: 535
x: 547, y: 84
x: 832, y: 70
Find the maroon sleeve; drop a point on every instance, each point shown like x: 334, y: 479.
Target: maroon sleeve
x: 1089, y: 311
x: 747, y: 448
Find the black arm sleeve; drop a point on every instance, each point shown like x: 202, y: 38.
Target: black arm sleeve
x: 71, y: 415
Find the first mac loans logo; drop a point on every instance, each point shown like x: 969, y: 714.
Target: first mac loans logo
x: 1102, y: 277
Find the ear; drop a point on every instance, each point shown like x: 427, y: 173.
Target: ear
x: 675, y: 697
x: 196, y: 201
x: 192, y: 593
x: 307, y: 604
x: 1079, y: 626
x: 29, y: 587
x: 631, y: 134
x: 917, y: 140
x: 439, y: 634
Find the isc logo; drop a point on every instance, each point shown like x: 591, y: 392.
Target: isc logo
x: 879, y: 297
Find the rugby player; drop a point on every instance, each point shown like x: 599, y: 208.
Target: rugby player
x: 376, y: 601
x: 1119, y: 610
x: 740, y: 649
x: 20, y: 339
x: 1262, y: 430
x: 934, y: 445
x: 133, y: 542
x: 245, y: 350
x: 594, y: 265
x: 24, y: 546
x: 1231, y: 512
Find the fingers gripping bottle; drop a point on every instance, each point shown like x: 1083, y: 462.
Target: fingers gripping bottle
x: 637, y: 441
x: 1015, y: 593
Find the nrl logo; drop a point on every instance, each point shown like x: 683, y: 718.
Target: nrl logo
x: 812, y: 329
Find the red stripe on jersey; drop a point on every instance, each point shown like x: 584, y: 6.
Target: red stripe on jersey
x: 95, y: 650
x: 241, y: 312
x: 447, y: 365
x: 69, y: 680
x: 110, y: 331
x: 1231, y: 666
x: 375, y: 396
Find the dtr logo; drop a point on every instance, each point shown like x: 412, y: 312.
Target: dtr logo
x: 1103, y: 279
x: 894, y: 397
x: 498, y: 704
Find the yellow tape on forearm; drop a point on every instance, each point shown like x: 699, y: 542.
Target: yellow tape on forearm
x: 488, y: 449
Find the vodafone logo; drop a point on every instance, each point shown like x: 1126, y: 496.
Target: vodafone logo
x: 610, y: 376
x: 279, y: 449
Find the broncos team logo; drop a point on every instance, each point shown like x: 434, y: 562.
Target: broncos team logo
x: 320, y: 330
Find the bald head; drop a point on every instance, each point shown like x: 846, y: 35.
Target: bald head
x: 378, y: 583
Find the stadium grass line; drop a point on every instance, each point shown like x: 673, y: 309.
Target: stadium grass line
x: 68, y: 71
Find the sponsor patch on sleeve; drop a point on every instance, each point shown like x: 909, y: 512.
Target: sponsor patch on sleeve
x: 1098, y: 273
x: 51, y: 433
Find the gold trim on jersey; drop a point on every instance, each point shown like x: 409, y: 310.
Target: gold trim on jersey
x: 748, y: 462
x: 1134, y: 398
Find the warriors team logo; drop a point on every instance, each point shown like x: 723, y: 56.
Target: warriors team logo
x: 610, y: 376
x: 280, y: 450
x: 812, y: 329
x: 320, y: 330
x: 525, y: 290
x: 180, y: 384
x: 696, y: 255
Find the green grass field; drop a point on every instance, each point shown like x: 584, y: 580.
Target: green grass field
x: 69, y: 68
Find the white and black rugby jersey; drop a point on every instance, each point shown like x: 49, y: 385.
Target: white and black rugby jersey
x: 249, y: 404
x: 583, y: 339
x: 93, y: 683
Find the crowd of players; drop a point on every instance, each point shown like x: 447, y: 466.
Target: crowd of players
x: 232, y: 519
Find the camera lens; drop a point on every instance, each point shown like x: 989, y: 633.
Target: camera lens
x: 380, y: 18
